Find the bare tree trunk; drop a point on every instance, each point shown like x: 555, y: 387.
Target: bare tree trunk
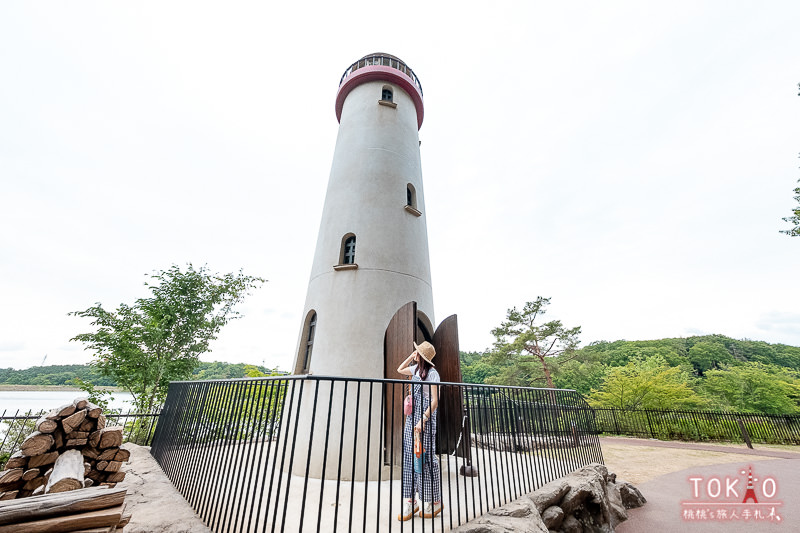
x: 546, y: 372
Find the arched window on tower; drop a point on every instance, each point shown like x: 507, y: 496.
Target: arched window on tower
x: 387, y: 97
x: 304, y: 363
x: 347, y: 253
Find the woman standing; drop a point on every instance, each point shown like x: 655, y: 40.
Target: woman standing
x: 422, y: 422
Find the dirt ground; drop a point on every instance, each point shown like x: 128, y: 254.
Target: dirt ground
x: 638, y: 464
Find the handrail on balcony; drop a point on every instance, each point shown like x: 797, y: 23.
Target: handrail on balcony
x: 382, y: 60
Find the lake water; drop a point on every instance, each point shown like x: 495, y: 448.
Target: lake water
x: 11, y: 401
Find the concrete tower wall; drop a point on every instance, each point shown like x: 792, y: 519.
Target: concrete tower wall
x: 376, y: 157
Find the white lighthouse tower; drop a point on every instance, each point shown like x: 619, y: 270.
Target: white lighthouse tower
x: 372, y: 250
x: 369, y: 296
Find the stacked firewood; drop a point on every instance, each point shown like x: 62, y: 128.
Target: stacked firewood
x: 71, y: 449
x: 91, y: 510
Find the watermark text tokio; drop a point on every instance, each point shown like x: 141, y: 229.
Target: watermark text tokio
x: 739, y: 497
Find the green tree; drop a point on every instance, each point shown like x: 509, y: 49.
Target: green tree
x: 99, y: 397
x: 646, y: 383
x: 795, y: 218
x: 159, y: 338
x: 527, y: 349
x: 707, y: 355
x: 583, y: 376
x: 619, y: 353
x: 752, y: 387
x: 476, y: 367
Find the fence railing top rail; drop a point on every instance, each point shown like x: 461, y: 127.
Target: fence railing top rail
x: 695, y: 412
x: 306, y: 377
x: 32, y: 415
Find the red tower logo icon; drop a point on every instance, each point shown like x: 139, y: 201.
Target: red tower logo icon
x: 749, y: 492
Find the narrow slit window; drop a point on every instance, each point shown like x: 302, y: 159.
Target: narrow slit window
x: 309, y: 345
x: 411, y: 201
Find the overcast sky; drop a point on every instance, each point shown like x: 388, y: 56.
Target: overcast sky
x: 630, y: 160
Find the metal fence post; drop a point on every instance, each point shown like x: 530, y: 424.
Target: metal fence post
x: 745, y: 434
x: 649, y: 423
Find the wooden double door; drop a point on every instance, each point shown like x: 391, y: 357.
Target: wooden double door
x: 407, y: 327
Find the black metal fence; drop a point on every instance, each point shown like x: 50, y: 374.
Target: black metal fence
x: 16, y: 426
x: 700, y: 425
x: 310, y: 453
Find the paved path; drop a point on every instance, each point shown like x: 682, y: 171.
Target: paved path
x: 667, y: 495
x: 763, y: 452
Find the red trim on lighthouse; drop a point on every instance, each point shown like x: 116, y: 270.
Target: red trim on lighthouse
x: 380, y: 73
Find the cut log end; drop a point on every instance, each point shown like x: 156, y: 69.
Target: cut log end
x: 10, y: 476
x: 80, y: 403
x: 64, y: 410
x: 109, y: 454
x: 122, y: 455
x: 67, y: 473
x: 37, y: 443
x: 113, y: 466
x: 46, y: 425
x: 115, y: 477
x: 109, y: 437
x: 72, y: 422
x: 30, y: 474
x: 63, y: 485
x: 17, y: 461
x: 41, y: 460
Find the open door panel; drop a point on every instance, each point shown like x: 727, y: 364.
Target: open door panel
x: 398, y: 343
x: 451, y: 405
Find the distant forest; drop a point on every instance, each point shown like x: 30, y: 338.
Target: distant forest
x: 711, y: 372
x: 65, y: 374
x: 705, y: 372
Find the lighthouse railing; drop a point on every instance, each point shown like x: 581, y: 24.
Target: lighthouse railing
x: 312, y: 453
x: 382, y: 60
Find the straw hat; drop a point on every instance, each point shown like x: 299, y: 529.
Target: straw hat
x: 426, y: 351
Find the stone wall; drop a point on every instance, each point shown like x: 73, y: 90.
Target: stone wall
x: 589, y: 499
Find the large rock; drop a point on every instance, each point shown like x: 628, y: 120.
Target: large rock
x: 489, y: 523
x: 588, y: 500
x: 553, y: 516
x: 588, y: 489
x: 631, y: 496
x: 571, y: 525
x: 517, y: 509
x: 549, y: 494
x: 617, y: 511
x: 520, y: 515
